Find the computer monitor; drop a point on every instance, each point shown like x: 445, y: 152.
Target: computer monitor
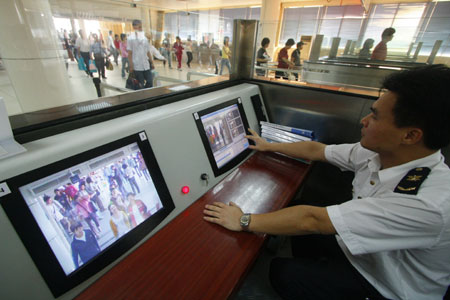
x: 222, y: 129
x: 78, y: 215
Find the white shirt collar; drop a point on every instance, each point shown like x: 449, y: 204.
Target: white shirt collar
x: 388, y: 174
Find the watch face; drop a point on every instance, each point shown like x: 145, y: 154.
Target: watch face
x: 245, y: 220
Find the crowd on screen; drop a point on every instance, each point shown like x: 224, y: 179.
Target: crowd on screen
x: 113, y: 192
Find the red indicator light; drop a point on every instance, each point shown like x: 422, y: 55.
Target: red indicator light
x: 185, y: 189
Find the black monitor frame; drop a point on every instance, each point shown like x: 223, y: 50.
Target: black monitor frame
x: 238, y: 158
x: 34, y: 240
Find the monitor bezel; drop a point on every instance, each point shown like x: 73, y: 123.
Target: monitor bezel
x: 34, y: 240
x: 209, y: 153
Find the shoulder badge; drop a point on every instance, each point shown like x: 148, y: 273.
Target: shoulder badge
x: 410, y: 184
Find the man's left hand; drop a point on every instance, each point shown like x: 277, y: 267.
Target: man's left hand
x: 227, y: 216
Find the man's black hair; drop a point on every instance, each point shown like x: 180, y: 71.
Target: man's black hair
x: 388, y: 31
x: 74, y: 226
x: 265, y: 41
x: 136, y: 23
x: 290, y: 42
x: 423, y: 100
x: 46, y: 198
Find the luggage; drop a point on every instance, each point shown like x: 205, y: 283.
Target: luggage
x: 81, y: 64
x: 92, y: 67
x: 133, y: 83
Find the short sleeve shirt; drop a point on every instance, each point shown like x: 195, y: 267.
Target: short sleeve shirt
x: 399, y: 242
x: 380, y: 51
x: 283, y: 54
x: 296, y: 57
x: 139, y: 47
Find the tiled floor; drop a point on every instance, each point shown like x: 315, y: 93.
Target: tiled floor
x: 83, y: 88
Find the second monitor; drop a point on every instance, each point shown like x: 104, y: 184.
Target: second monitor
x: 222, y: 129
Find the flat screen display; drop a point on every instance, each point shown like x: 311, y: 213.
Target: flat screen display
x: 89, y: 209
x: 223, y: 128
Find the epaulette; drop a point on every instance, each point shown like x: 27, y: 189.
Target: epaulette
x: 410, y: 184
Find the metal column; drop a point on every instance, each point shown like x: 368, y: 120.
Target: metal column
x: 243, y: 53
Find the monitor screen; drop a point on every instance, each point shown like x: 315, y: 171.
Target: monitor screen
x: 89, y: 209
x: 223, y: 128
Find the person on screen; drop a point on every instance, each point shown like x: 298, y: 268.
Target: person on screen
x: 119, y: 221
x: 70, y: 190
x: 117, y: 176
x: 391, y: 240
x: 380, y: 51
x: 83, y: 192
x: 129, y: 175
x: 57, y: 211
x: 84, y: 245
x: 132, y: 163
x: 137, y: 210
x: 62, y: 198
x: 143, y: 166
x: 85, y: 211
x: 94, y: 193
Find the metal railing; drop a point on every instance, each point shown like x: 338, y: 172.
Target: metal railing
x: 190, y: 73
x: 288, y: 72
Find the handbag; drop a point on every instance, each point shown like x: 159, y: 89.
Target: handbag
x: 92, y: 67
x: 81, y: 64
x: 133, y: 83
x: 109, y: 65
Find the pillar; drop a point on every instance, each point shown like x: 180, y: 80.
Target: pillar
x: 269, y: 23
x: 33, y: 55
x: 145, y: 17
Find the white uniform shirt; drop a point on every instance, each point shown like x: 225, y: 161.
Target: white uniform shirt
x: 139, y: 46
x: 83, y: 44
x: 399, y: 242
x: 156, y: 53
x: 110, y: 42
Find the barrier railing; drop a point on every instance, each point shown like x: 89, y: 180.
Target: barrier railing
x: 190, y: 73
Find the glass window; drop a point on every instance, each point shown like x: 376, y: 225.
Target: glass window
x: 436, y: 27
x: 331, y: 24
x: 298, y: 21
x: 51, y: 70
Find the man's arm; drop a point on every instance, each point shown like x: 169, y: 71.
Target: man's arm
x: 307, y: 150
x: 150, y: 58
x: 295, y: 220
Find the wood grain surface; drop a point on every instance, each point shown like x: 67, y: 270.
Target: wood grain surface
x: 193, y: 259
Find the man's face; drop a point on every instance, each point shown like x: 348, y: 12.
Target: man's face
x: 79, y: 232
x: 379, y: 132
x: 138, y: 27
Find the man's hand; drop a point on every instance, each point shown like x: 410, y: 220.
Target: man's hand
x: 227, y: 216
x: 260, y: 143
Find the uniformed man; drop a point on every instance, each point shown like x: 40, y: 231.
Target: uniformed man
x: 393, y: 237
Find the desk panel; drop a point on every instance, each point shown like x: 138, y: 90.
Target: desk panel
x: 193, y: 259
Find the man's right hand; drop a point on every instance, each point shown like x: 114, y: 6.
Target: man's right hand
x: 260, y: 143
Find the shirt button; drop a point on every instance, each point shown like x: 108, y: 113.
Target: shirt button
x: 372, y: 182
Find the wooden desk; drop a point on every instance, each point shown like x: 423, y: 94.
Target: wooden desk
x: 193, y: 259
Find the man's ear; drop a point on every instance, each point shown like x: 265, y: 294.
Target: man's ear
x: 413, y: 135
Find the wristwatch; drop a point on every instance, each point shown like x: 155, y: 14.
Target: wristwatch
x: 245, y: 221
